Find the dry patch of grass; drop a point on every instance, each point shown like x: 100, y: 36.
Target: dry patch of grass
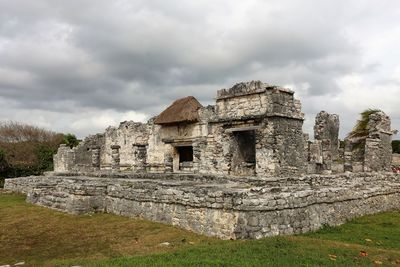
x: 41, y: 236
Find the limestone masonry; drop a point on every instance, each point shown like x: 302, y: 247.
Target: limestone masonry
x: 242, y: 168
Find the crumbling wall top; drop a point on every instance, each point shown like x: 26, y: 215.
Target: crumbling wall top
x: 379, y: 122
x: 326, y: 126
x: 246, y: 88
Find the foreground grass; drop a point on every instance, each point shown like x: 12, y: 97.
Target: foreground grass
x: 43, y: 237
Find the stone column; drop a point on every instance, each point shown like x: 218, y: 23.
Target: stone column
x: 326, y: 131
x: 378, y: 144
x: 140, y: 153
x: 64, y: 160
x: 168, y: 161
x: 96, y: 158
x: 348, y: 156
x: 327, y: 155
x: 198, y: 146
x: 327, y: 128
x: 115, y: 157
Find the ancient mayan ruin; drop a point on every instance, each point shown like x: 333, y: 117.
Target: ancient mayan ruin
x: 242, y: 168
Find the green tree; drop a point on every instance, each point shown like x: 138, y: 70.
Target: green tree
x: 3, y: 167
x: 3, y: 161
x: 70, y: 140
x: 45, y: 156
x: 396, y: 146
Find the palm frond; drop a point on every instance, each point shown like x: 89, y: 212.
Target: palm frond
x: 360, y: 130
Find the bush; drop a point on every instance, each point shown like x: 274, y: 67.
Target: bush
x: 3, y: 167
x: 28, y: 150
x: 396, y: 146
x: 3, y: 161
x: 45, y: 156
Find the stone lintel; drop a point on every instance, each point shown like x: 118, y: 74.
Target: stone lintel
x: 178, y: 144
x: 240, y: 129
x: 139, y: 144
x: 178, y: 141
x: 280, y: 115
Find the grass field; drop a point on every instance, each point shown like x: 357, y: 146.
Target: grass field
x: 43, y: 237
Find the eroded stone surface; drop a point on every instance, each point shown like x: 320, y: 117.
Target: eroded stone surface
x: 195, y: 173
x: 269, y: 114
x: 254, y: 129
x: 226, y: 207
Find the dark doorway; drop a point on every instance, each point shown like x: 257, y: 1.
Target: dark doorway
x: 246, y: 143
x: 185, y: 153
x: 244, y: 152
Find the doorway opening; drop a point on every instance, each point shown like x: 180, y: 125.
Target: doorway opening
x: 244, y: 152
x: 183, y: 161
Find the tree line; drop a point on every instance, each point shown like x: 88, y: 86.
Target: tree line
x: 28, y: 150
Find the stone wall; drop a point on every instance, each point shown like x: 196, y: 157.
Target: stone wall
x: 243, y: 99
x: 78, y: 158
x: 126, y: 136
x: 275, y: 117
x: 378, y: 144
x: 83, y: 152
x: 255, y: 98
x: 327, y: 128
x: 219, y: 206
x: 64, y: 160
x: 324, y: 151
x: 156, y: 149
x: 270, y: 115
x: 367, y: 150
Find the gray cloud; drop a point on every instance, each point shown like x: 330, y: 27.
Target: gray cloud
x: 62, y: 60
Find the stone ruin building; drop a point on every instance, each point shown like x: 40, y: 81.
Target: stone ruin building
x: 242, y: 168
x: 254, y: 129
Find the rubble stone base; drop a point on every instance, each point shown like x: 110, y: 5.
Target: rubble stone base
x: 225, y: 207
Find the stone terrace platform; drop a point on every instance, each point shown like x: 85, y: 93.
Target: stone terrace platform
x: 226, y: 207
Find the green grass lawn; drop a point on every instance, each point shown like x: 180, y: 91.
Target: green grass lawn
x: 44, y: 237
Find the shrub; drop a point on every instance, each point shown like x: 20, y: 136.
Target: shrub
x: 396, y: 146
x: 28, y: 150
x: 45, y: 156
x: 3, y: 161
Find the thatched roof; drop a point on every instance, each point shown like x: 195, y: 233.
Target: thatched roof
x: 182, y: 110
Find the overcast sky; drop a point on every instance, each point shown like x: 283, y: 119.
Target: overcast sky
x: 80, y: 66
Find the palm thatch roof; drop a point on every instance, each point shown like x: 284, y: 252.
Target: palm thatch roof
x: 182, y: 110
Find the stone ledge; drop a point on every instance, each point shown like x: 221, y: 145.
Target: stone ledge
x: 221, y: 206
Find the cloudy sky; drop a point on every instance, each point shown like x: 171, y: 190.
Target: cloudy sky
x: 79, y: 66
